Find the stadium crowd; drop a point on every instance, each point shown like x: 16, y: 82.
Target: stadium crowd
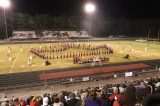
x: 135, y: 93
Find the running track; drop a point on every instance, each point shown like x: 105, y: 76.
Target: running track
x: 93, y: 71
x: 38, y: 78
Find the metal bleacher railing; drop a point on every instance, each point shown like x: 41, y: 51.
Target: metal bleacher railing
x: 64, y: 81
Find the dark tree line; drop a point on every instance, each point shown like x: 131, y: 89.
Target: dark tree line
x: 100, y: 26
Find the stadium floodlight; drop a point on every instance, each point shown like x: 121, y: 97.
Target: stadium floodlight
x: 5, y: 4
x: 158, y: 34
x: 89, y: 8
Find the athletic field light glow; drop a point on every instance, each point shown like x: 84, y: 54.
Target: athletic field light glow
x: 4, y: 3
x: 89, y: 7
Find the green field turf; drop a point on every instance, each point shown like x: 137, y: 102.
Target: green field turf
x: 136, y: 50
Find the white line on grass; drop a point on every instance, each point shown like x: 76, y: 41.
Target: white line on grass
x: 14, y: 62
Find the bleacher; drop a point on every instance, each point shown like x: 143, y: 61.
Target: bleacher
x: 25, y: 35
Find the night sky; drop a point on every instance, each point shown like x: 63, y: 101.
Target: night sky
x: 132, y: 9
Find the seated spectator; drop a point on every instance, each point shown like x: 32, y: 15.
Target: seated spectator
x: 45, y: 101
x: 158, y: 83
x: 143, y: 84
x: 116, y: 103
x: 5, y: 102
x: 83, y: 98
x: 92, y: 100
x: 22, y: 102
x: 115, y: 89
x: 16, y: 101
x: 57, y: 102
x: 11, y: 103
x: 104, y: 100
x: 34, y: 102
x: 72, y: 100
x: 129, y: 97
x: 121, y: 89
x: 152, y: 100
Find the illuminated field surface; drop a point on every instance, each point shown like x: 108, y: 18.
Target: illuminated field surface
x: 14, y: 57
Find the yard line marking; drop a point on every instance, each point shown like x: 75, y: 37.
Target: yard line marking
x: 14, y: 62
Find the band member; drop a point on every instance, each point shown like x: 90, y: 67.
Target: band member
x: 10, y: 58
x: 61, y: 56
x: 21, y: 49
x: 30, y: 57
x: 145, y: 49
x: 29, y: 60
x: 50, y: 57
x: 9, y: 50
x: 45, y: 49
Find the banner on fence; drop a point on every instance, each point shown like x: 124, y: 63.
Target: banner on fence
x: 128, y: 74
x: 85, y: 78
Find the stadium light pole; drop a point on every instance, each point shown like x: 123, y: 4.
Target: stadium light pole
x: 158, y: 34
x: 149, y: 34
x: 89, y: 9
x: 5, y: 4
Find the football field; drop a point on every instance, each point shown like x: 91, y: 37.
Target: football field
x: 14, y: 57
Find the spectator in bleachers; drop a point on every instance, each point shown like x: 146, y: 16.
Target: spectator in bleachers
x: 104, y: 100
x: 115, y: 89
x: 129, y: 97
x: 152, y: 100
x: 92, y: 100
x: 22, y: 102
x: 83, y: 97
x: 121, y: 89
x: 5, y: 102
x: 57, y: 102
x: 126, y: 94
x: 73, y: 101
x: 45, y: 101
x: 34, y: 102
